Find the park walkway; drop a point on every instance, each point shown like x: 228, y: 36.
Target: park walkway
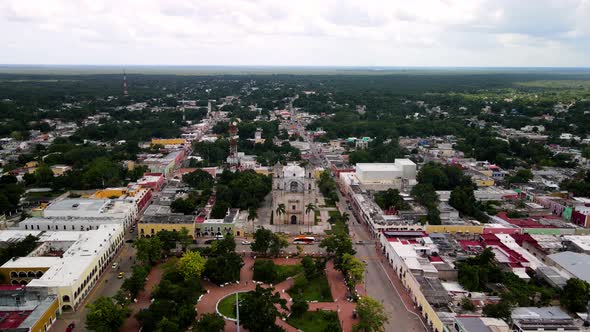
x: 143, y: 298
x: 341, y: 305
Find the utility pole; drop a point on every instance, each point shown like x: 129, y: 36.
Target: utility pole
x: 237, y: 313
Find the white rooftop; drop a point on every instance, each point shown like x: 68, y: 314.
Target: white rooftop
x: 24, y: 262
x: 13, y: 235
x: 581, y: 241
x: 77, y: 258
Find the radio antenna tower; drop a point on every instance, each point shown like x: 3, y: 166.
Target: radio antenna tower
x: 125, y: 92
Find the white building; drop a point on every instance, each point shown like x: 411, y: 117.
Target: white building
x: 382, y: 176
x: 94, y: 211
x: 71, y: 275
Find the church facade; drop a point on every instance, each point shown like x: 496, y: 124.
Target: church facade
x: 294, y: 188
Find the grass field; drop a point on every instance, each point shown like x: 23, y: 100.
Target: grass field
x: 315, y: 321
x: 317, y: 289
x: 285, y: 271
x: 227, y: 306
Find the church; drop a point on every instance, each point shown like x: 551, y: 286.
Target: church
x: 294, y: 187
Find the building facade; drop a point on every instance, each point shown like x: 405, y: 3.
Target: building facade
x: 293, y: 189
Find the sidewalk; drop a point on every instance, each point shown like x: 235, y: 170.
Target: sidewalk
x: 143, y: 298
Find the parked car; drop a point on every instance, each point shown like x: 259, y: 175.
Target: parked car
x: 245, y: 242
x: 121, y: 275
x: 71, y: 327
x: 209, y: 241
x: 115, y: 265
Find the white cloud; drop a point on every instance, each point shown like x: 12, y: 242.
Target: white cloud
x: 303, y: 32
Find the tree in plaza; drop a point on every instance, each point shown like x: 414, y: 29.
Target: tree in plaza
x: 337, y: 245
x: 353, y: 270
x: 299, y: 307
x: 223, y: 264
x: 309, y: 267
x: 262, y: 240
x: 345, y: 217
x: 167, y: 325
x: 265, y: 270
x: 371, y: 314
x: 209, y: 323
x: 148, y: 250
x: 199, y: 180
x: 191, y: 265
x: 104, y: 315
x: 332, y: 326
x: 278, y: 242
x: 258, y: 310
x: 576, y: 294
x: 184, y: 238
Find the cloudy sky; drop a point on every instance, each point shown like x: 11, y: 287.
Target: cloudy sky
x: 296, y: 32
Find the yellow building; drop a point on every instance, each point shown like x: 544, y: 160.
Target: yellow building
x: 38, y: 211
x: 484, y: 182
x: 472, y: 229
x: 149, y: 226
x: 31, y: 164
x: 168, y: 141
x: 21, y: 270
x: 59, y: 170
x: 35, y: 313
x: 109, y: 192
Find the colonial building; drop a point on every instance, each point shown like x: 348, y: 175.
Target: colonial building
x: 294, y: 187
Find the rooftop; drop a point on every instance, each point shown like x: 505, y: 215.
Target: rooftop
x: 37, y: 262
x: 574, y: 263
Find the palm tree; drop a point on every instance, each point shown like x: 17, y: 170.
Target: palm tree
x: 345, y: 217
x: 310, y: 208
x: 281, y: 210
x: 252, y: 214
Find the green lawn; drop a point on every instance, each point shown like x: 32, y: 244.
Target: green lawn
x: 335, y: 214
x: 227, y: 306
x: 317, y: 289
x: 329, y: 202
x: 285, y: 271
x: 315, y: 321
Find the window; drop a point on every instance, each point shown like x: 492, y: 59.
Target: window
x: 64, y: 227
x: 294, y: 207
x: 294, y: 186
x: 37, y: 226
x: 26, y: 226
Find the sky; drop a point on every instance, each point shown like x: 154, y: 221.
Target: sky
x: 495, y: 33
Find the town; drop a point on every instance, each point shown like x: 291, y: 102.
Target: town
x: 166, y: 203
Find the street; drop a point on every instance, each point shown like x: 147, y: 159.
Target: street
x: 108, y: 285
x: 379, y: 284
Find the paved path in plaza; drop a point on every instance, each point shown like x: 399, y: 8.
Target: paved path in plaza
x: 143, y: 298
x: 344, y: 308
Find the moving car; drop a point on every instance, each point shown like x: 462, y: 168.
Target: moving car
x: 245, y: 242
x: 121, y: 275
x: 115, y: 265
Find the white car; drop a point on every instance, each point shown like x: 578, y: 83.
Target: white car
x: 245, y: 242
